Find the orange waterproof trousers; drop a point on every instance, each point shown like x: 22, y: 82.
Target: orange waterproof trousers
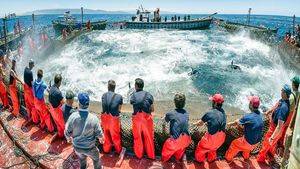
x: 44, y: 114
x: 14, y: 98
x: 175, y: 147
x: 209, y: 145
x: 237, y: 145
x: 143, y: 135
x: 29, y: 102
x: 58, y: 119
x: 3, y: 94
x: 111, y: 126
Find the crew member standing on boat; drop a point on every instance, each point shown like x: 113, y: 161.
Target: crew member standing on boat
x: 56, y: 101
x: 142, y: 122
x: 3, y: 91
x: 179, y: 130
x: 111, y: 125
x: 39, y: 87
x: 253, y: 131
x: 13, y: 90
x: 82, y: 130
x: 28, y: 93
x: 215, y: 120
x: 67, y: 107
x: 290, y: 124
x: 279, y: 114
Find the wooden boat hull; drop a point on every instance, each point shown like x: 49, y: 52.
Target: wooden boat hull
x: 58, y: 27
x: 290, y: 55
x: 182, y: 25
x: 255, y: 31
x: 13, y: 40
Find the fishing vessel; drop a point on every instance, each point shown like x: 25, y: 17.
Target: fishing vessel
x: 10, y: 40
x: 258, y: 32
x: 70, y: 22
x: 142, y: 20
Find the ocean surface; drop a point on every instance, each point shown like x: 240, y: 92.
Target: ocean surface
x: 164, y: 59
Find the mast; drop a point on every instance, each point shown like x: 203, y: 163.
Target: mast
x: 33, y: 21
x: 5, y: 33
x: 81, y: 15
x: 248, y: 18
x: 294, y: 24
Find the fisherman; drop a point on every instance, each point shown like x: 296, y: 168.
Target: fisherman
x: 279, y: 114
x: 215, y: 119
x: 13, y: 90
x: 178, y: 18
x: 179, y: 130
x: 253, y: 125
x: 56, y: 101
x: 188, y: 17
x: 64, y: 33
x: 28, y: 93
x: 3, y: 88
x: 142, y: 122
x: 166, y: 18
x: 175, y: 18
x: 184, y: 18
x: 290, y: 124
x: 82, y: 130
x: 67, y: 107
x: 110, y: 118
x: 88, y: 25
x: 39, y: 87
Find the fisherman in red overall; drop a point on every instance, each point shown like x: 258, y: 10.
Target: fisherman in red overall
x: 28, y: 93
x: 142, y: 122
x: 279, y: 114
x: 215, y: 119
x: 39, y: 87
x: 13, y: 90
x: 3, y: 90
x: 179, y: 131
x: 253, y: 125
x: 110, y: 121
x: 56, y: 102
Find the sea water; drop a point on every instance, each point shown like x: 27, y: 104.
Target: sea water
x: 165, y: 60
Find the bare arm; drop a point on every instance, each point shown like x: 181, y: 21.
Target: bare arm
x: 151, y: 108
x: 16, y: 77
x: 199, y: 123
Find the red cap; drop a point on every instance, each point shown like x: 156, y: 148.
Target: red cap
x: 254, y: 101
x: 217, y: 98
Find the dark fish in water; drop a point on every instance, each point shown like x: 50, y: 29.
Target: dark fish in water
x: 235, y: 67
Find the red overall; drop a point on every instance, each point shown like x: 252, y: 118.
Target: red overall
x: 237, y: 145
x: 175, y: 147
x: 58, y: 118
x: 209, y: 145
x: 286, y: 125
x: 143, y: 134
x: 111, y: 126
x: 3, y: 94
x: 44, y: 114
x: 29, y: 102
x: 268, y: 147
x: 14, y: 98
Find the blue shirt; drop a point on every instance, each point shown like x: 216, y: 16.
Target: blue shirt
x: 179, y: 122
x: 109, y: 105
x: 281, y: 112
x: 253, y: 127
x: 141, y: 102
x: 67, y: 111
x: 216, y: 121
x: 55, y: 96
x: 39, y: 87
x: 84, y: 128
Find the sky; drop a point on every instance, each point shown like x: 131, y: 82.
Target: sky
x: 267, y: 7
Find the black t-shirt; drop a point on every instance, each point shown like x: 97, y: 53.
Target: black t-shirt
x: 216, y: 121
x: 28, y: 76
x: 111, y: 102
x: 141, y: 101
x: 179, y: 122
x: 55, y: 96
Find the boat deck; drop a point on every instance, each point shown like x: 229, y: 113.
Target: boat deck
x: 58, y: 154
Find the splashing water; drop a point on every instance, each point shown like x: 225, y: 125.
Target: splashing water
x: 164, y: 59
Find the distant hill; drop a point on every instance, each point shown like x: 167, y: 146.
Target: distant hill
x: 73, y: 11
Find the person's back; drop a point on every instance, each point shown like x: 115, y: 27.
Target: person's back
x: 253, y: 127
x: 39, y: 88
x: 85, y: 129
x: 111, y: 102
x: 141, y: 102
x: 216, y: 121
x: 178, y: 122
